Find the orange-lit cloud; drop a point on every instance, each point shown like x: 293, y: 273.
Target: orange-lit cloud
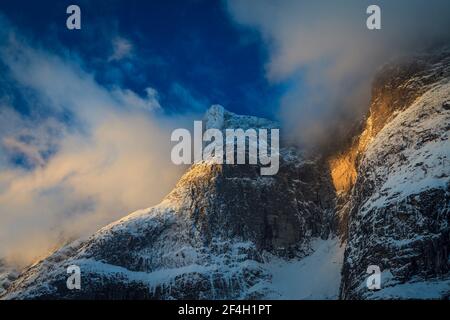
x: 114, y: 161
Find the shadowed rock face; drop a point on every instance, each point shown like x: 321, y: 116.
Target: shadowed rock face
x: 207, y: 239
x: 277, y: 214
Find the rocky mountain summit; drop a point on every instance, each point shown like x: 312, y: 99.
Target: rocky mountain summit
x: 308, y: 232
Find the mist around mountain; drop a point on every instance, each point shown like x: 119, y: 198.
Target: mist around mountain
x: 308, y: 232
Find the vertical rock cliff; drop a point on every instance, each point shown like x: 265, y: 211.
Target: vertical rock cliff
x: 396, y: 212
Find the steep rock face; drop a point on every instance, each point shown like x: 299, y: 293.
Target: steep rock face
x: 211, y: 237
x: 397, y: 212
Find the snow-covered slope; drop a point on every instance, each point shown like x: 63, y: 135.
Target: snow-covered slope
x: 316, y: 276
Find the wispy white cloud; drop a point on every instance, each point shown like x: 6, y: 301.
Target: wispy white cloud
x: 115, y: 160
x: 121, y: 48
x: 128, y: 97
x: 187, y: 97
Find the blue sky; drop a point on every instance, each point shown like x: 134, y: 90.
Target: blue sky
x: 189, y: 51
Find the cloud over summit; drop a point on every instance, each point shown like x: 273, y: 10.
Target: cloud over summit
x: 327, y: 57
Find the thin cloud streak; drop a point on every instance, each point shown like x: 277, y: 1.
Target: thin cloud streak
x: 115, y: 160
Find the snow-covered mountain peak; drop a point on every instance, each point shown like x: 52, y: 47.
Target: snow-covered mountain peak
x: 219, y: 118
x: 214, y: 117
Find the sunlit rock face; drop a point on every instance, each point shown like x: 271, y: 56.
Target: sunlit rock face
x: 397, y: 212
x: 394, y: 89
x: 211, y: 237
